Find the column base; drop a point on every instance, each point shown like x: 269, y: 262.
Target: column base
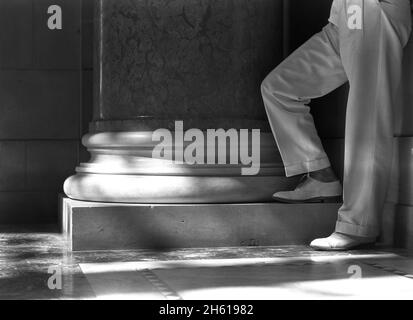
x: 174, y: 189
x: 122, y: 169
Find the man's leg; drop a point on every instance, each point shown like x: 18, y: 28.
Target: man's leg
x: 372, y: 59
x: 313, y: 70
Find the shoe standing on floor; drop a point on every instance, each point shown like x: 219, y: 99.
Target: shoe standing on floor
x: 340, y: 242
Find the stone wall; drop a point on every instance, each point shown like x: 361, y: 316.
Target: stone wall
x: 41, y: 100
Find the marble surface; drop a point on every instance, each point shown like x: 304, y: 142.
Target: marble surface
x: 177, y: 59
x: 294, y: 272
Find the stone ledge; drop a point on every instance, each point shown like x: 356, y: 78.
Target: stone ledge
x: 110, y: 226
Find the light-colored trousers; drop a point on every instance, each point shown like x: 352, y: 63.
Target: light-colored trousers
x: 369, y: 58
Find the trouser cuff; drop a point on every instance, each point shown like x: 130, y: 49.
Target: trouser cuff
x: 307, y: 166
x: 357, y: 230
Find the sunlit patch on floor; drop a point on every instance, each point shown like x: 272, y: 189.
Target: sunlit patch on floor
x: 333, y: 277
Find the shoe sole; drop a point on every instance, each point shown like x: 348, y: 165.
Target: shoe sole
x: 337, y: 199
x: 363, y: 246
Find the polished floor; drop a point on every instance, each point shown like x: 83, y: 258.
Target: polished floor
x: 38, y: 266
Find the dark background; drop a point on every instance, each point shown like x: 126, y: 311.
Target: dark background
x: 45, y: 104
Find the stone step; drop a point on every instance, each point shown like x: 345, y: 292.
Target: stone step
x: 114, y: 226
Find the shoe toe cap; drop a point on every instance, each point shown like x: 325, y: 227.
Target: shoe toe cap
x: 320, y: 243
x: 282, y: 194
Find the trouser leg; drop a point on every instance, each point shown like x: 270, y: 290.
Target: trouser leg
x: 311, y: 71
x: 372, y: 59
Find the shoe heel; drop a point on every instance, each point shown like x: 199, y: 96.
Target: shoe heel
x: 338, y: 199
x: 366, y: 246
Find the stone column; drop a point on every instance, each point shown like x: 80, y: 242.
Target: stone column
x: 157, y: 62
